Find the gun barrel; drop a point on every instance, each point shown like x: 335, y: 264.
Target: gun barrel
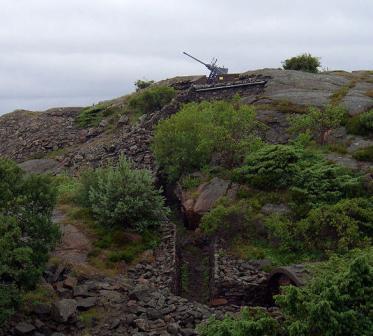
x: 196, y: 59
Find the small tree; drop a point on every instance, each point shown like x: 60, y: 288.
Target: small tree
x: 143, y: 84
x: 27, y: 233
x: 270, y: 167
x: 151, y: 99
x: 305, y: 62
x: 123, y: 197
x: 191, y: 138
x: 318, y: 122
x: 337, y: 302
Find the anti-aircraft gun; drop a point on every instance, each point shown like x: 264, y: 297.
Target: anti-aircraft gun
x: 215, y: 70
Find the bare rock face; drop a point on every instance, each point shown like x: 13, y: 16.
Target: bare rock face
x: 27, y: 135
x: 194, y: 207
x: 41, y: 166
x: 307, y: 89
x: 64, y: 309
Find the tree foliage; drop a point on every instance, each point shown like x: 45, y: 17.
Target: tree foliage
x: 253, y: 322
x: 270, y: 167
x: 143, y: 84
x: 225, y: 217
x: 151, y: 99
x: 121, y: 196
x: 337, y: 227
x: 337, y: 302
x: 202, y: 132
x: 26, y: 231
x: 361, y: 124
x: 305, y: 62
x: 318, y: 122
x: 319, y: 182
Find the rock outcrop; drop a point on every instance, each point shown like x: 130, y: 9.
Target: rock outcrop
x: 28, y: 135
x: 194, y: 204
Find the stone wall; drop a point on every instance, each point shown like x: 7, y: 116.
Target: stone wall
x: 235, y: 283
x: 162, y: 272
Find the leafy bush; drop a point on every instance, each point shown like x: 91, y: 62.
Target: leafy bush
x: 122, y: 196
x: 364, y: 154
x: 270, y: 167
x: 253, y: 322
x: 336, y: 302
x: 321, y: 182
x: 310, y: 178
x: 226, y: 217
x: 201, y: 132
x: 26, y: 231
x: 305, y: 62
x: 143, y: 84
x: 317, y: 122
x: 361, y: 124
x: 151, y: 99
x: 91, y: 116
x: 338, y: 227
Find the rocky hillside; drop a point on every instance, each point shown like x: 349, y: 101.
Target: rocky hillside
x: 157, y: 294
x: 54, y: 134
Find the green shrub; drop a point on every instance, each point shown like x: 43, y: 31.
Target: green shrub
x: 270, y: 167
x: 201, y: 132
x: 9, y: 300
x: 226, y: 217
x: 361, y: 124
x: 253, y: 322
x: 305, y: 62
x: 321, y: 182
x: 338, y: 227
x: 189, y: 182
x: 151, y: 99
x: 27, y: 233
x: 91, y: 116
x: 338, y: 300
x: 364, y: 154
x: 143, y: 84
x: 66, y: 187
x: 123, y: 197
x: 317, y: 122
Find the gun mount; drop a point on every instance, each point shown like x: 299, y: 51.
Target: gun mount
x: 215, y: 70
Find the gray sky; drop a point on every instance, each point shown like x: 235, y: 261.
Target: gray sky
x: 77, y: 52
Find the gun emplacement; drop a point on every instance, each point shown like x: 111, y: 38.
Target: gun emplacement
x: 214, y: 69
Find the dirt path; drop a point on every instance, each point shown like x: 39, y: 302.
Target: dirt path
x: 74, y: 246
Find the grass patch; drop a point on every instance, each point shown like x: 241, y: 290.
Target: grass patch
x: 340, y: 148
x: 364, y: 154
x: 66, y: 188
x: 337, y: 97
x: 55, y: 153
x: 260, y: 249
x: 190, y: 182
x: 283, y: 106
x: 41, y: 294
x: 92, y: 116
x: 144, y: 101
x: 90, y: 317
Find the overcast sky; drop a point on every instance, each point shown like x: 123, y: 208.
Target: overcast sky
x: 77, y: 52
